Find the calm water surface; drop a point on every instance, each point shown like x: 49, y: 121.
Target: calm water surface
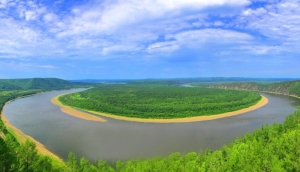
x: 120, y: 140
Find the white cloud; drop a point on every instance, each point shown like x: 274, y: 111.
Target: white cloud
x: 44, y: 66
x: 30, y: 15
x: 210, y: 35
x: 195, y: 39
x: 262, y: 49
x: 168, y: 46
x: 19, y: 40
x: 257, y: 12
x: 218, y: 23
x: 279, y: 21
x: 50, y: 17
x: 109, y: 27
x: 3, y: 3
x: 105, y: 27
x: 28, y: 10
x: 110, y: 17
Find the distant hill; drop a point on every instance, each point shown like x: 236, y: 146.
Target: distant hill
x: 287, y: 88
x: 35, y: 83
x: 101, y: 80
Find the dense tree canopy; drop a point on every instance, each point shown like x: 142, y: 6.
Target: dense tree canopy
x: 160, y: 101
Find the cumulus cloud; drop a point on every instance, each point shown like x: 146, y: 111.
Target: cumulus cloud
x: 109, y: 27
x: 279, y: 21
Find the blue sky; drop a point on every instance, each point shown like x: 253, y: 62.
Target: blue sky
x: 137, y: 39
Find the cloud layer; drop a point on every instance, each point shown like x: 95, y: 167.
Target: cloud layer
x: 54, y: 34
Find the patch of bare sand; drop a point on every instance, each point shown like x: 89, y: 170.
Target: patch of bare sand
x: 21, y: 137
x: 79, y: 114
x: 261, y: 103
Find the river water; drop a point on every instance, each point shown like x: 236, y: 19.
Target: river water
x: 121, y: 140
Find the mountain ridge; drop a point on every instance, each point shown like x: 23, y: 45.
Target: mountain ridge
x: 34, y: 83
x: 291, y: 88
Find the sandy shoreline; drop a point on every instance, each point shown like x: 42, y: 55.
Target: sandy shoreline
x: 21, y: 137
x: 71, y: 111
x: 261, y: 103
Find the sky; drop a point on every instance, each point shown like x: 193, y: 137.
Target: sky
x: 140, y: 39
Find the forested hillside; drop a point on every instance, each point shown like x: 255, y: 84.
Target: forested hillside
x: 287, y: 88
x: 39, y: 83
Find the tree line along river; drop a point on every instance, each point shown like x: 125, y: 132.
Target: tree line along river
x: 115, y: 140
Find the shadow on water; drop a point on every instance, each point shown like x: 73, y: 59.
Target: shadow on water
x: 121, y: 140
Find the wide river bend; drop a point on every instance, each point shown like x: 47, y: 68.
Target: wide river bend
x: 116, y: 140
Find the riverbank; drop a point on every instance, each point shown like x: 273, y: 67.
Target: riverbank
x: 261, y: 103
x: 279, y: 94
x: 21, y: 137
x: 76, y: 113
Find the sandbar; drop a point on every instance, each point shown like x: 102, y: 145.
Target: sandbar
x: 71, y: 111
x: 261, y: 103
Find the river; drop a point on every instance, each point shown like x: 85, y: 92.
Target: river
x: 116, y: 140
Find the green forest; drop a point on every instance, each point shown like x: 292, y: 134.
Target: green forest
x: 270, y: 148
x: 159, y: 101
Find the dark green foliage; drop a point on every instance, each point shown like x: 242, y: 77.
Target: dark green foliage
x: 144, y: 101
x: 23, y: 158
x: 287, y: 88
x: 27, y: 157
x: 6, y: 156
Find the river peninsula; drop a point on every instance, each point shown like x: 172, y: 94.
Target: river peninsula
x: 62, y: 133
x: 89, y: 116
